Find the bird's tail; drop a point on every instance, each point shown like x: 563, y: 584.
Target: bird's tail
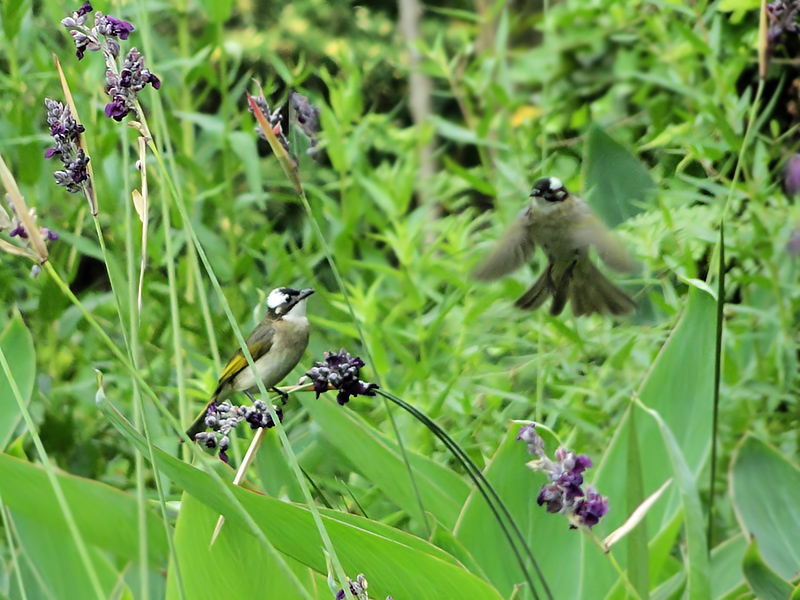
x: 592, y: 292
x: 540, y: 291
x: 587, y: 289
x: 199, y: 423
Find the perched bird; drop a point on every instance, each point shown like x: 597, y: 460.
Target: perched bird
x: 276, y: 345
x: 564, y: 227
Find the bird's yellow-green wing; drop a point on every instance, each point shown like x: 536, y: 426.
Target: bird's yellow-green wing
x: 258, y: 347
x: 514, y: 249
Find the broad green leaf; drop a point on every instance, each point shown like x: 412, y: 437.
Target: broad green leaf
x: 394, y: 562
x: 57, y: 561
x: 617, y: 185
x: 274, y: 472
x: 226, y: 569
x: 726, y: 566
x: 765, y: 583
x: 684, y: 404
x: 17, y: 346
x: 380, y: 460
x: 106, y: 517
x: 636, y: 545
x: 765, y: 488
x: 698, y: 569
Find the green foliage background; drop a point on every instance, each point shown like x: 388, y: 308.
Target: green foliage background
x: 641, y: 106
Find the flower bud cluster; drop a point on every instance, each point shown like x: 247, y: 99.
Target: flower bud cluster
x: 563, y: 493
x: 222, y: 418
x: 66, y: 133
x: 340, y: 371
x: 358, y: 588
x: 122, y: 83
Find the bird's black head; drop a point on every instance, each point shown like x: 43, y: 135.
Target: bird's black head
x: 284, y: 301
x: 550, y: 189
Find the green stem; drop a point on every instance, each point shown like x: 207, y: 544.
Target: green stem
x: 83, y: 551
x: 718, y: 257
x: 14, y: 556
x: 177, y: 346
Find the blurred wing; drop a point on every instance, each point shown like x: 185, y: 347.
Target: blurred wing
x: 590, y: 231
x: 511, y: 252
x: 259, y: 344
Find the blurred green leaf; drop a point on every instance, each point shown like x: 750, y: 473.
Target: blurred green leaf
x: 765, y: 583
x: 106, y: 517
x: 379, y: 459
x: 395, y: 562
x: 726, y: 566
x: 616, y: 184
x: 17, y: 345
x: 218, y: 11
x: 226, y: 569
x: 764, y: 488
x: 697, y: 564
x: 13, y: 13
x: 57, y: 561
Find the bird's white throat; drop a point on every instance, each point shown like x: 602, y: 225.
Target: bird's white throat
x: 297, y: 313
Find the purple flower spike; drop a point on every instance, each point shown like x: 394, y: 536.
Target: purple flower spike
x: 564, y: 493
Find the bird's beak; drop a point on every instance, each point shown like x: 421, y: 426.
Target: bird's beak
x: 304, y: 294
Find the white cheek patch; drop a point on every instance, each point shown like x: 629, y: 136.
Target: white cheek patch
x: 276, y: 298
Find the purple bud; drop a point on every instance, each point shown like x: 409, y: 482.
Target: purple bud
x: 85, y: 9
x: 154, y: 81
x: 19, y: 230
x: 116, y: 109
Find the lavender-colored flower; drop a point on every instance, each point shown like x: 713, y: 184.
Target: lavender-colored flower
x: 66, y: 133
x: 123, y: 87
x: 124, y: 81
x: 340, y: 371
x: 11, y: 222
x: 563, y: 493
x: 591, y: 508
x: 112, y: 27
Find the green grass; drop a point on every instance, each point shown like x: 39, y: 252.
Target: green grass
x: 652, y: 111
